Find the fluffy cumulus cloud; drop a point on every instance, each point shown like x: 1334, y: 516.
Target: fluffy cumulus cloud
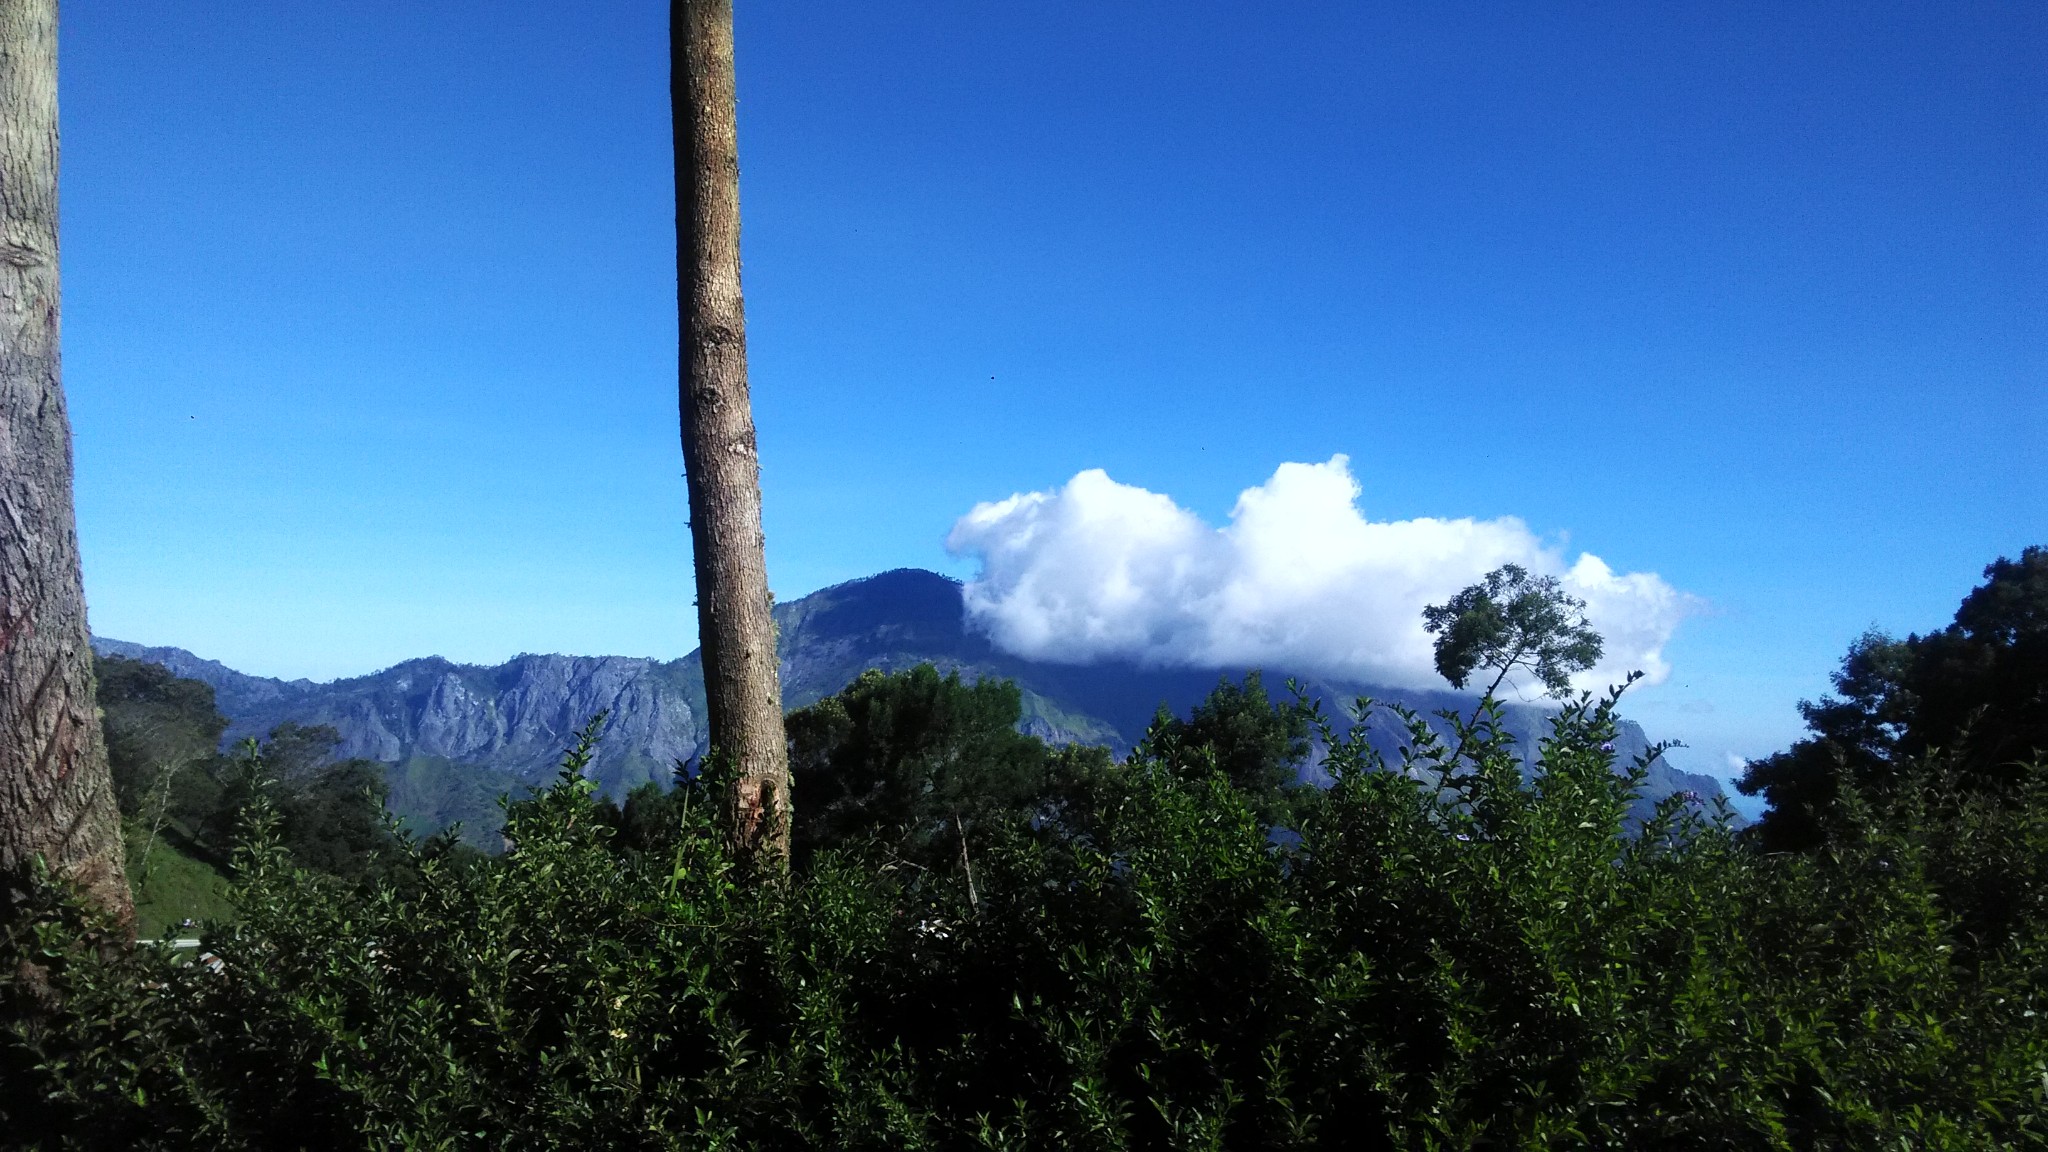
x: 1299, y: 579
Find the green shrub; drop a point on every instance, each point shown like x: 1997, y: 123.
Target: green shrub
x: 1435, y: 956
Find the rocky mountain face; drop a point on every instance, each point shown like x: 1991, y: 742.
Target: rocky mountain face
x: 455, y: 735
x: 515, y: 718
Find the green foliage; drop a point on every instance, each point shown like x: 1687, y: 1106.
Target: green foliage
x: 294, y: 751
x: 1511, y: 620
x: 1975, y: 692
x: 436, y: 794
x: 333, y: 819
x: 1445, y: 958
x: 155, y: 724
x: 648, y: 818
x: 1259, y: 745
x: 171, y: 888
x: 163, y: 735
x: 911, y: 763
x: 181, y: 800
x: 330, y: 813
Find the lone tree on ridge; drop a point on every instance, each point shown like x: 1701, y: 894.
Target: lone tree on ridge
x: 1512, y: 620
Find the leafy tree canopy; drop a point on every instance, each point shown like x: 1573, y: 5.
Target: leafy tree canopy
x: 1976, y: 690
x: 1259, y: 743
x: 910, y: 760
x: 154, y: 722
x: 176, y: 787
x: 1512, y: 619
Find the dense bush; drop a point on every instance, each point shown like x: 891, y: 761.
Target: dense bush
x: 1435, y: 957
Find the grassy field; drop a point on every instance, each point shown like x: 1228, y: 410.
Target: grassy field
x: 171, y: 887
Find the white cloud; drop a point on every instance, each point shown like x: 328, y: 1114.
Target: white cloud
x: 1299, y: 580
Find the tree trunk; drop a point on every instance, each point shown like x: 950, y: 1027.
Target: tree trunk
x: 56, y: 797
x: 742, y: 684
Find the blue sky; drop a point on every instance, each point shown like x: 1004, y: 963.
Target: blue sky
x: 370, y: 324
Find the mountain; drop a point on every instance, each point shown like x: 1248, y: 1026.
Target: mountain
x: 457, y: 735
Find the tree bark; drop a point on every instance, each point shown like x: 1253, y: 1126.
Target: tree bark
x: 742, y: 683
x: 56, y: 796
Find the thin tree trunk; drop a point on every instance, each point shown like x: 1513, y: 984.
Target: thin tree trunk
x: 56, y: 796
x: 966, y: 865
x: 742, y: 684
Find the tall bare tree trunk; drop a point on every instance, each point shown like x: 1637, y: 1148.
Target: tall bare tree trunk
x: 56, y: 797
x: 742, y: 684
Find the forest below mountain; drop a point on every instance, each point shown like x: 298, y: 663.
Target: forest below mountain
x: 988, y: 940
x: 450, y: 738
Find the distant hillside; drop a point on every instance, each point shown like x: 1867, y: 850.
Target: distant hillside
x: 457, y: 734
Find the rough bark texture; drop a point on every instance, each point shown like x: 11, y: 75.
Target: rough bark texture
x: 56, y: 797
x: 742, y: 687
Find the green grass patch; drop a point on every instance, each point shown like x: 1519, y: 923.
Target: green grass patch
x: 171, y: 887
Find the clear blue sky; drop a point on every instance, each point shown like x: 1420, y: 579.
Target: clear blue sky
x: 370, y: 329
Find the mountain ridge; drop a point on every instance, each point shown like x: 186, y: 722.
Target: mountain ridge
x: 443, y: 725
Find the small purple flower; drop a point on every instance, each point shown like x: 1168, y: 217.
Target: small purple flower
x: 1607, y: 747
